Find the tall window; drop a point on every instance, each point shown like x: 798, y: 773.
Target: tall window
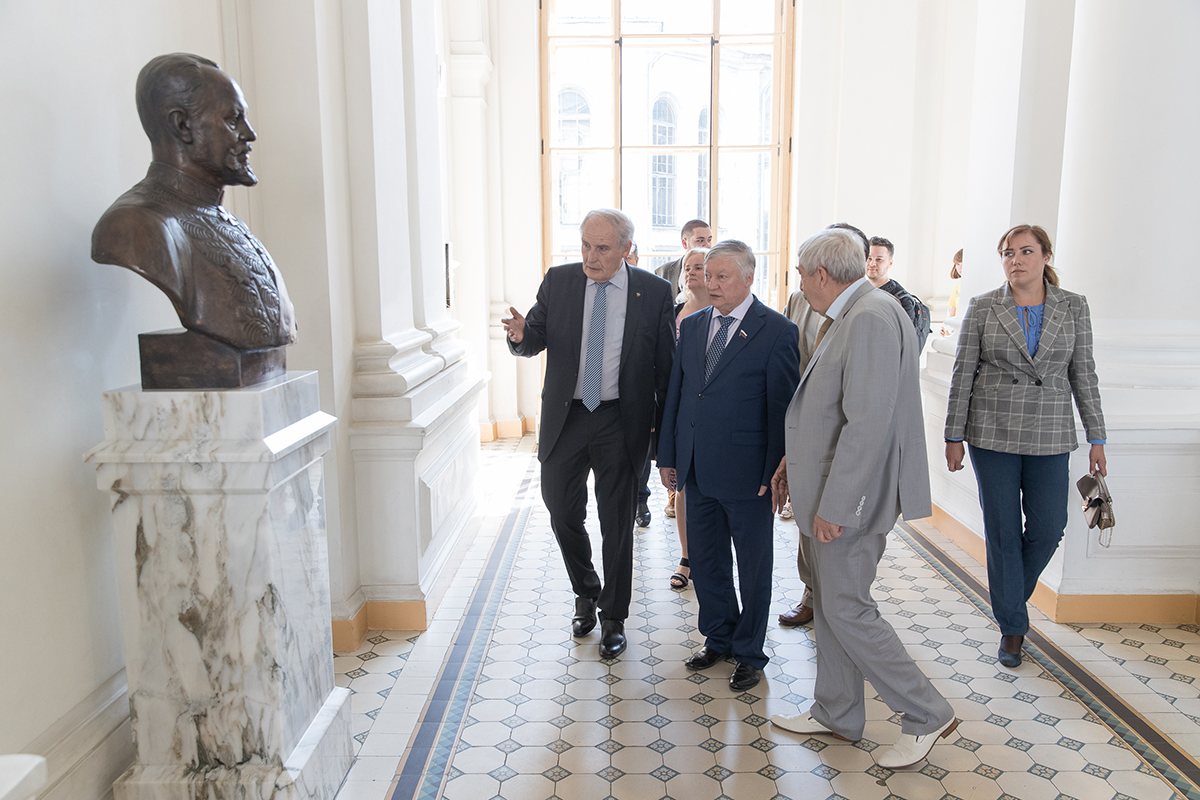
x: 683, y: 117
x: 662, y: 167
x: 574, y: 125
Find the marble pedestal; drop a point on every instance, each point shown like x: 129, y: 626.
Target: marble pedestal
x: 218, y: 510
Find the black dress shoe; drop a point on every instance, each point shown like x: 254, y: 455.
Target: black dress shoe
x: 643, y: 516
x: 703, y: 658
x: 585, y: 616
x: 744, y: 677
x: 612, y: 637
x: 1010, y: 651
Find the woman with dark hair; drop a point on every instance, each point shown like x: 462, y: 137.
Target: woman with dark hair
x: 1024, y: 350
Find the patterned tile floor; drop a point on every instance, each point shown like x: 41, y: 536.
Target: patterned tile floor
x: 496, y: 699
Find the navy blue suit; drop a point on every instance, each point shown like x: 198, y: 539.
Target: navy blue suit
x: 725, y: 438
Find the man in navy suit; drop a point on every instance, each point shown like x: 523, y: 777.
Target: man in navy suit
x: 608, y: 330
x: 736, y: 366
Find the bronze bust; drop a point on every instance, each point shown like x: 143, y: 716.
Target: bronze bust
x: 172, y: 230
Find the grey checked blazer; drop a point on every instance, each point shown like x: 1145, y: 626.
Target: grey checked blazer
x: 1002, y: 399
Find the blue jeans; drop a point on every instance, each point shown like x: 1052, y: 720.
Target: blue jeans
x: 1010, y: 484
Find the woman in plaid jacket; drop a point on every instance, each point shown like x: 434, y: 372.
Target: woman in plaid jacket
x: 1024, y: 350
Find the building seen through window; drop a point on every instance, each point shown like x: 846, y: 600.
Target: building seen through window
x: 670, y: 112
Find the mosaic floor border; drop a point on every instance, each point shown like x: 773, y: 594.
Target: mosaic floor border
x: 428, y: 764
x: 1175, y: 766
x: 425, y: 767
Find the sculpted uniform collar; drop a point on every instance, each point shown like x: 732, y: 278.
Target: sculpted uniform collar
x: 194, y: 191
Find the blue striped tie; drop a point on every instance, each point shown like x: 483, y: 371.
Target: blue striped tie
x: 717, y: 347
x: 593, y: 361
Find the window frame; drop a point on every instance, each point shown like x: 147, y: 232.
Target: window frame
x: 777, y: 150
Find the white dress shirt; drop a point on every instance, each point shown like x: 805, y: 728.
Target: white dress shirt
x: 738, y: 314
x: 839, y: 304
x: 616, y: 298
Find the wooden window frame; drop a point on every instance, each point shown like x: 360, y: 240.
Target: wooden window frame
x: 783, y: 75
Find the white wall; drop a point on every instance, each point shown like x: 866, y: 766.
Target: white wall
x: 341, y: 94
x: 68, y: 329
x: 880, y: 128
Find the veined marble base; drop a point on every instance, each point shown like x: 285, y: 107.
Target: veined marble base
x: 314, y: 771
x: 219, y: 520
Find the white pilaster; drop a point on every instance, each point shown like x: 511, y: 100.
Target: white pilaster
x: 471, y: 224
x: 414, y: 434
x: 1129, y: 199
x: 1075, y: 159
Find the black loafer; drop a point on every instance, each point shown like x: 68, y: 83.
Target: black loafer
x: 643, y: 516
x: 744, y: 677
x: 585, y: 616
x: 703, y: 658
x: 1012, y: 660
x: 612, y: 638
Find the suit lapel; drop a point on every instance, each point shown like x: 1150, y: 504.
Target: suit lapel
x: 1053, y: 316
x: 700, y: 346
x: 1006, y: 312
x: 576, y: 288
x: 833, y: 329
x: 746, y: 329
x: 633, y: 314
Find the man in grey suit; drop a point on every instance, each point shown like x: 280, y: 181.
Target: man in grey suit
x: 855, y: 460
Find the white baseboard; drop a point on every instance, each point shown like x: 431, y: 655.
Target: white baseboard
x: 90, y: 747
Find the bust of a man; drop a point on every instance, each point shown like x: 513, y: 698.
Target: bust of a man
x: 171, y: 227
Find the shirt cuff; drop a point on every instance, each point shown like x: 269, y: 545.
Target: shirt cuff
x: 1097, y: 441
x: 953, y: 440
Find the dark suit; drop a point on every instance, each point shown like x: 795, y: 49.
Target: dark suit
x: 725, y: 437
x: 611, y: 441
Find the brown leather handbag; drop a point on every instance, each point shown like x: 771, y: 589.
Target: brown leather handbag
x: 1097, y: 505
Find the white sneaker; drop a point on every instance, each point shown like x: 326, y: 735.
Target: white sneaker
x: 804, y: 723
x: 910, y: 749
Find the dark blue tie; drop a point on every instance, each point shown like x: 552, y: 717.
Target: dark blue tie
x: 593, y: 360
x: 717, y: 347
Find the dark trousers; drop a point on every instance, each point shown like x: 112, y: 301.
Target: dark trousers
x: 712, y: 526
x: 593, y: 441
x: 1010, y: 484
x: 643, y: 492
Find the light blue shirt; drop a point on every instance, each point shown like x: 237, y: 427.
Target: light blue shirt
x: 616, y: 300
x: 1031, y: 323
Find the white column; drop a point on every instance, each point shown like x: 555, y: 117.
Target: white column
x: 1129, y: 205
x: 1021, y: 64
x: 470, y: 69
x: 414, y: 434
x: 1099, y: 152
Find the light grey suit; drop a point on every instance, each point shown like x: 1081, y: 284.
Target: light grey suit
x: 856, y: 456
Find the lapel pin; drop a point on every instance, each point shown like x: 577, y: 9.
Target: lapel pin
x: 742, y: 333
x: 639, y: 294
